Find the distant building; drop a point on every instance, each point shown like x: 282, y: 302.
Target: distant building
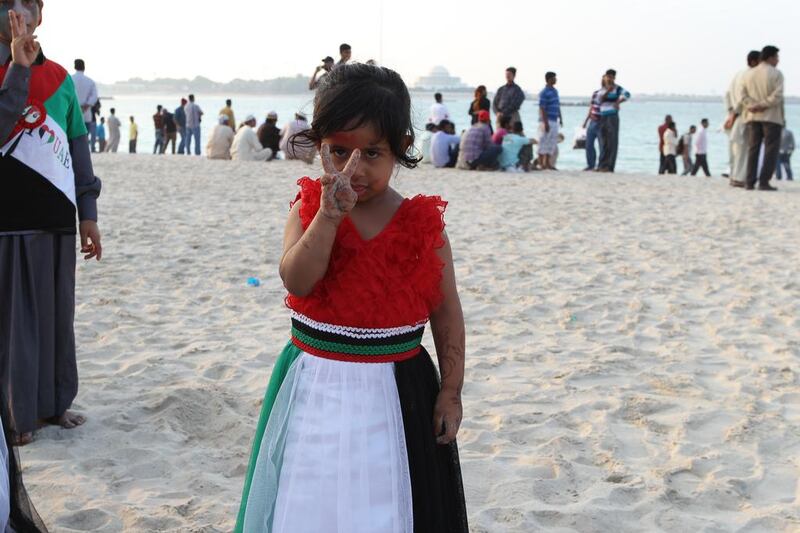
x: 439, y: 79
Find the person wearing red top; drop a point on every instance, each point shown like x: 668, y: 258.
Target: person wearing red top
x: 662, y: 165
x: 356, y: 434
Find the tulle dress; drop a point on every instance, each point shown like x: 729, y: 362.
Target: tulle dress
x: 345, y: 441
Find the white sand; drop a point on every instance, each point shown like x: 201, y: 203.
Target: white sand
x: 633, y: 348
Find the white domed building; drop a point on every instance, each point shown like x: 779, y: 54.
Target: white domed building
x: 439, y: 79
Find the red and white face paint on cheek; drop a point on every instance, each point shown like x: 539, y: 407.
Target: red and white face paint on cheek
x: 376, y: 166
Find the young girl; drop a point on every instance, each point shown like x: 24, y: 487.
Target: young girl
x: 355, y: 433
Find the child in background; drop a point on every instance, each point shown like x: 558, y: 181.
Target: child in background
x: 356, y: 433
x: 503, y: 127
x: 133, y: 135
x: 101, y: 134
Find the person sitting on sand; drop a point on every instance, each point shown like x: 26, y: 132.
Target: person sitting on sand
x: 444, y: 145
x: 245, y: 145
x: 269, y: 135
x: 503, y: 127
x: 40, y: 198
x: 517, y: 150
x: 219, y: 145
x: 425, y: 142
x: 477, y: 151
x: 290, y: 149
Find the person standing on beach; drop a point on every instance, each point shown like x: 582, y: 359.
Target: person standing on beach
x: 180, y: 122
x: 87, y: 96
x: 439, y: 111
x: 101, y: 134
x: 345, y: 53
x: 194, y: 115
x: 170, y: 130
x: 508, y: 98
x: 269, y: 135
x: 133, y: 136
x: 612, y: 97
x: 228, y: 112
x: 325, y: 68
x: 762, y: 99
x: 661, y: 129
x: 785, y: 155
x: 670, y: 148
x: 158, y: 124
x: 701, y: 149
x: 592, y: 125
x: 549, y: 122
x: 479, y: 103
x: 685, y: 149
x: 734, y: 125
x: 113, y: 132
x: 40, y: 199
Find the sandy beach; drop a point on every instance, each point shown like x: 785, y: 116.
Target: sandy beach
x: 633, y: 349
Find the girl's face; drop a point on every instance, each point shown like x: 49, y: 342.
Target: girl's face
x: 371, y: 178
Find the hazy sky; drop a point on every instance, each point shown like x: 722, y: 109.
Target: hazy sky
x: 674, y: 46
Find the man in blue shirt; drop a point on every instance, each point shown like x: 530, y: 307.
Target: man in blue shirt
x: 613, y: 95
x: 549, y: 122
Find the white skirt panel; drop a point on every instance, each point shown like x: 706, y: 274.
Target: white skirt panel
x: 343, y: 466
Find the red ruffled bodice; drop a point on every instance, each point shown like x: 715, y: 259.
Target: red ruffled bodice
x: 390, y: 280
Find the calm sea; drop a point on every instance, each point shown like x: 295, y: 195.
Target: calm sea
x: 638, y: 151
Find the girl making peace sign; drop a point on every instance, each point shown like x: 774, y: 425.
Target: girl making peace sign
x: 356, y: 434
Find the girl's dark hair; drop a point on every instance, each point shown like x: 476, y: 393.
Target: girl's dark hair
x: 353, y: 95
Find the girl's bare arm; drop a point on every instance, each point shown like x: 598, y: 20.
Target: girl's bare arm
x: 447, y: 324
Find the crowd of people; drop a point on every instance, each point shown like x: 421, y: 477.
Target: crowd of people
x: 505, y: 146
x: 760, y: 144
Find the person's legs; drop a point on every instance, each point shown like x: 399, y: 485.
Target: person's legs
x: 610, y: 135
x: 196, y: 134
x: 787, y: 161
x: 670, y: 164
x: 453, y: 152
x: 525, y: 157
x: 701, y: 161
x: 704, y: 166
x: 772, y: 146
x: 189, y: 135
x: 591, y: 137
x: 754, y: 135
x: 687, y: 164
x: 182, y: 144
x: 488, y: 157
x: 662, y: 166
x: 614, y: 143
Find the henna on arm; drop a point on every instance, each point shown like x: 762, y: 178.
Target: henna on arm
x: 447, y: 324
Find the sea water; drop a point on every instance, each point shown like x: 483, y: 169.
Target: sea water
x: 639, y: 121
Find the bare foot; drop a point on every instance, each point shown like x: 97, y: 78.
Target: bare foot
x: 22, y: 440
x: 68, y: 420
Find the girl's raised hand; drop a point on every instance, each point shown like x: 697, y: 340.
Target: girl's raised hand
x: 338, y: 197
x: 24, y: 48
